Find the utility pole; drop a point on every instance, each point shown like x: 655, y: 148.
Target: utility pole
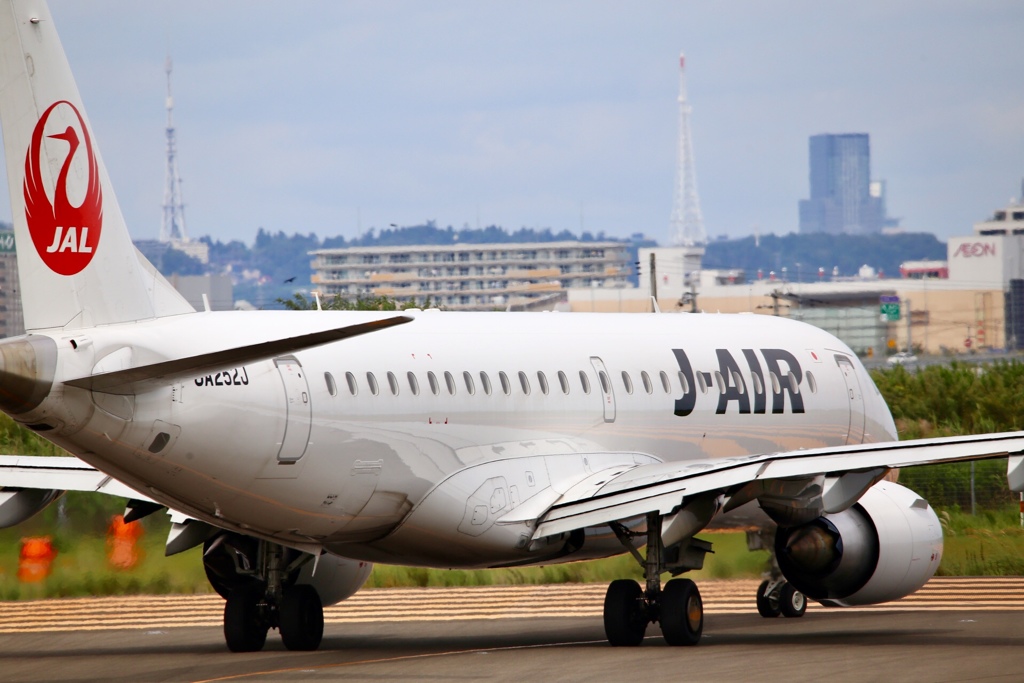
x: 910, y: 341
x: 654, y: 279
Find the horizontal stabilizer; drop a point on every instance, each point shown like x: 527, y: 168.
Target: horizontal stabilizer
x: 136, y: 380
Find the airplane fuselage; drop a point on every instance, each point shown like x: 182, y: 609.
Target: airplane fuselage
x: 410, y: 444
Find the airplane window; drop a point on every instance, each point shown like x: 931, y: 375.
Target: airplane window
x: 648, y: 387
x: 685, y: 385
x: 414, y: 386
x: 485, y: 382
x: 793, y: 384
x: 720, y: 381
x: 701, y: 382
x: 450, y: 382
x: 524, y: 382
x: 352, y: 387
x: 811, y: 383
x: 584, y: 381
x: 372, y: 381
x: 605, y: 386
x: 468, y: 378
x: 434, y: 388
x: 758, y: 388
x: 627, y: 382
x: 563, y: 381
x: 505, y: 386
x: 738, y: 381
x: 543, y: 381
x: 332, y: 388
x: 393, y: 383
x: 665, y: 384
x: 776, y: 388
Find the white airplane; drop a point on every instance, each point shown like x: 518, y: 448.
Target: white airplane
x: 299, y: 447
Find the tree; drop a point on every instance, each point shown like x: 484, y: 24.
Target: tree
x: 301, y: 302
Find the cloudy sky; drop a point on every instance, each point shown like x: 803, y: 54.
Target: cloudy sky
x: 334, y: 117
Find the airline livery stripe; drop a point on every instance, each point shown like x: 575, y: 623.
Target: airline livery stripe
x: 445, y: 604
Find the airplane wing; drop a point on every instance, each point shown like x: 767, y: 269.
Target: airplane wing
x: 845, y: 472
x: 60, y: 474
x: 134, y: 380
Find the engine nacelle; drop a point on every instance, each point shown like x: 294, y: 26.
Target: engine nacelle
x: 883, y: 548
x: 17, y: 505
x: 231, y: 564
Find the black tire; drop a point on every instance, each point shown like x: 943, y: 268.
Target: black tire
x: 792, y: 602
x: 244, y: 627
x: 767, y: 606
x: 625, y: 617
x: 302, y: 618
x: 682, y: 612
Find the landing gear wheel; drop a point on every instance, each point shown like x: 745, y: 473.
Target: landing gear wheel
x: 244, y: 627
x: 791, y: 601
x: 625, y: 618
x: 682, y: 612
x: 302, y: 618
x: 767, y: 604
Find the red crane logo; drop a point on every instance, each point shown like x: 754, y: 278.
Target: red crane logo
x: 65, y: 236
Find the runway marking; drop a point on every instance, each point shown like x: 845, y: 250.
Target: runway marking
x: 449, y: 604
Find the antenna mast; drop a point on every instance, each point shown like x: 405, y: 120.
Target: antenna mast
x: 687, y: 223
x: 172, y: 228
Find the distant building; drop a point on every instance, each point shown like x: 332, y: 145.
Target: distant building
x: 218, y: 290
x: 917, y: 270
x: 12, y: 321
x: 994, y: 254
x: 472, y: 276
x: 843, y: 198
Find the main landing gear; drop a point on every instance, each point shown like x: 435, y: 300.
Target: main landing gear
x: 775, y: 595
x: 257, y: 580
x: 677, y: 606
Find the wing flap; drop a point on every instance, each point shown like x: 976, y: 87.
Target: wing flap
x: 662, y: 487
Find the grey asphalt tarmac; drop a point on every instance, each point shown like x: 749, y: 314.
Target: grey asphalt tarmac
x: 932, y: 645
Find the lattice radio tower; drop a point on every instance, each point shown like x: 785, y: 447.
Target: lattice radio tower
x: 172, y: 228
x: 687, y: 223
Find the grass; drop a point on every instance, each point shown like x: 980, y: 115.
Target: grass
x: 989, y: 544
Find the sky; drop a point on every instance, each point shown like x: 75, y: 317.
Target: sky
x: 337, y: 117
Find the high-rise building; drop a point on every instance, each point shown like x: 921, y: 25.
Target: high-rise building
x: 842, y: 200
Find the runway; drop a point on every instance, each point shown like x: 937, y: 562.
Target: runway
x: 953, y: 629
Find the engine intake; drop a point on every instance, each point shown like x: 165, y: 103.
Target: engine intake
x: 883, y: 548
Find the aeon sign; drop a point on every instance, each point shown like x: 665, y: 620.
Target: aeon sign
x: 975, y: 250
x: 64, y: 235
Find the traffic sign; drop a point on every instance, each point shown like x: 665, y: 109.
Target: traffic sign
x: 890, y: 308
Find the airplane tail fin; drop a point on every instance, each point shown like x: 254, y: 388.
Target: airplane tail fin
x: 76, y: 262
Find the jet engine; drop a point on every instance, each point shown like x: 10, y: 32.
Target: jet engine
x: 884, y: 547
x: 231, y: 562
x: 17, y: 505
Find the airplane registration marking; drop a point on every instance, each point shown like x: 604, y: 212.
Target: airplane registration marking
x: 445, y: 604
x: 228, y: 378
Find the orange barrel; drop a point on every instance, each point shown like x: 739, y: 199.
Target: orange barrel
x: 122, y: 550
x: 36, y: 558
